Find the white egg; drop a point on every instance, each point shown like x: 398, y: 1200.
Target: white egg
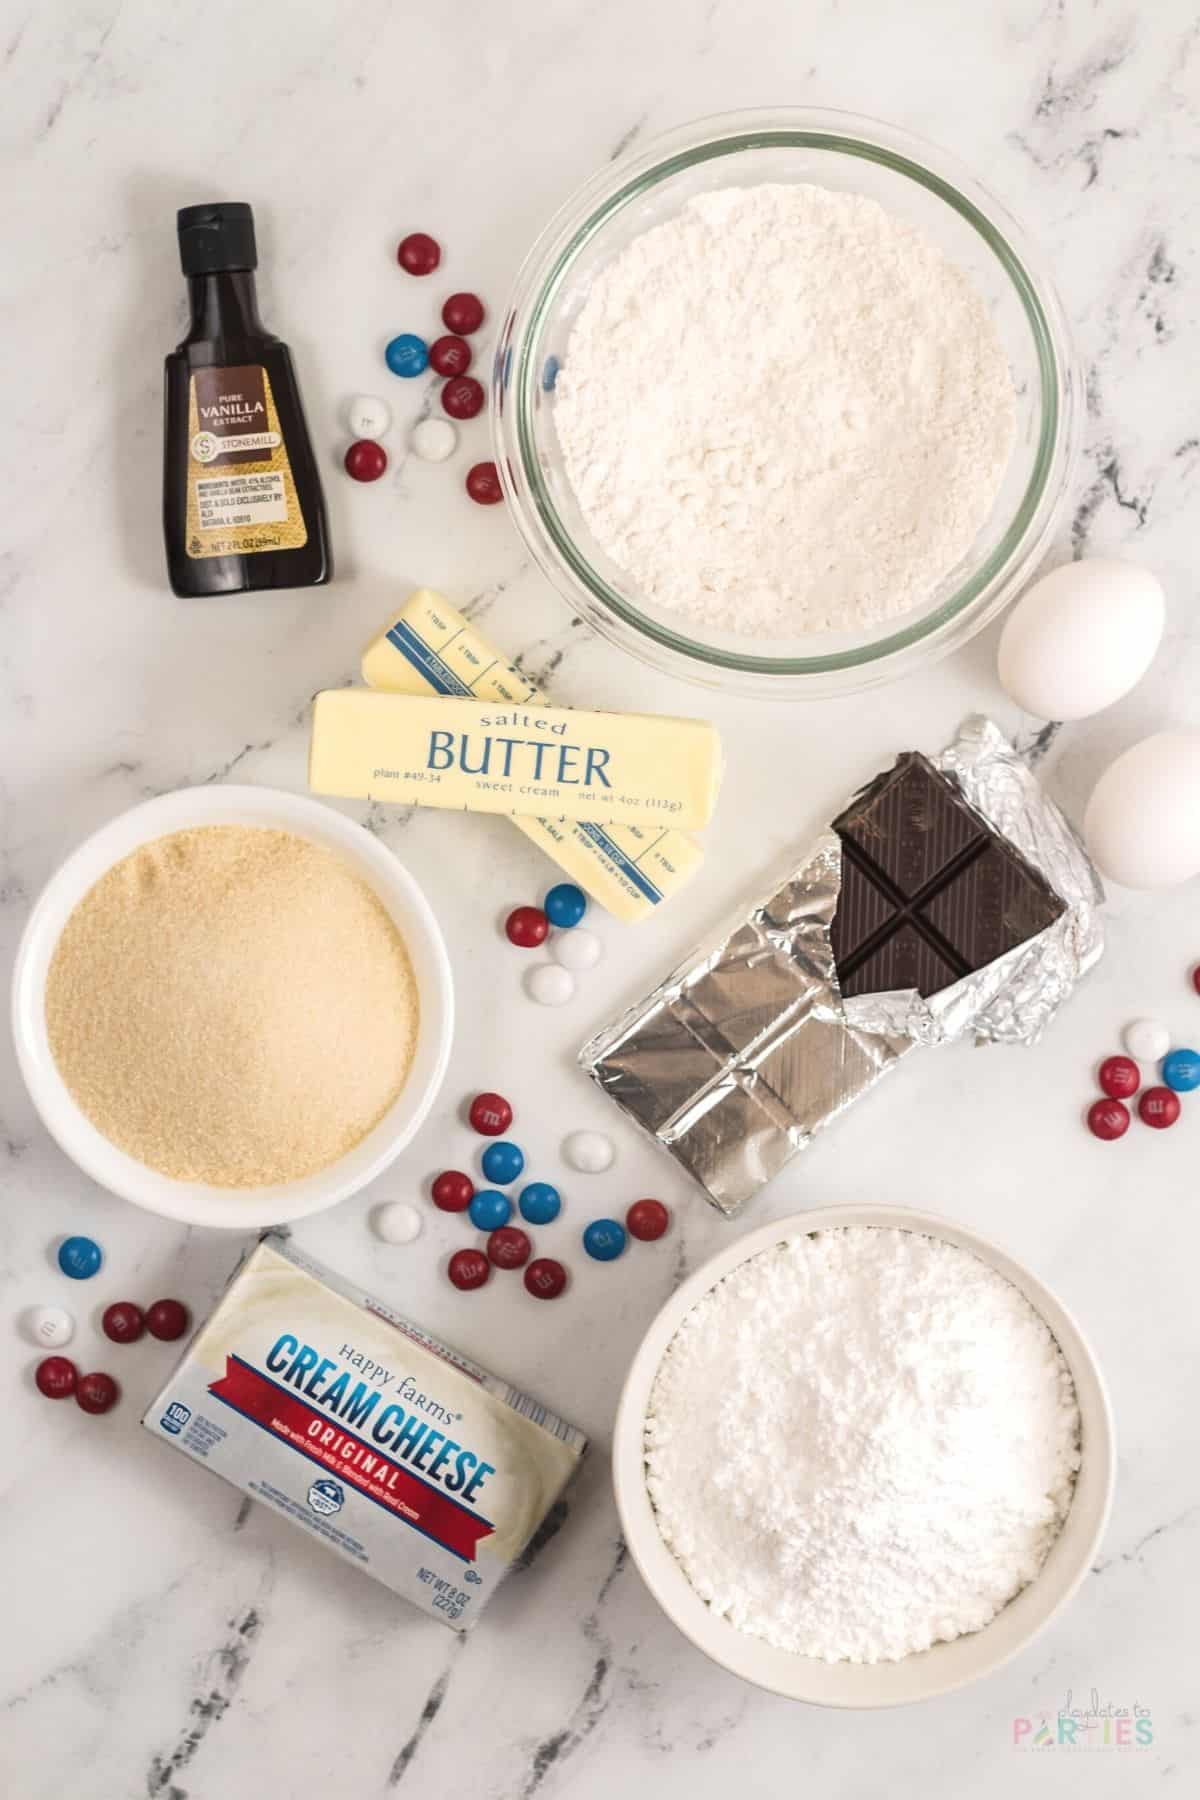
x: 1081, y: 637
x: 1142, y: 823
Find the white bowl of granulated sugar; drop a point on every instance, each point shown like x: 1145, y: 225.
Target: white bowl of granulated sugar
x: 232, y: 1006
x: 863, y: 1457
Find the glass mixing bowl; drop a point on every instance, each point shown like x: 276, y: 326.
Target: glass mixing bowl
x: 913, y: 181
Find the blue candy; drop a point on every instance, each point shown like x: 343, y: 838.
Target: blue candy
x: 564, y: 905
x: 1181, y: 1070
x: 407, y: 354
x: 549, y: 374
x: 604, y: 1239
x: 503, y: 1162
x: 489, y: 1210
x: 79, y: 1257
x: 539, y: 1203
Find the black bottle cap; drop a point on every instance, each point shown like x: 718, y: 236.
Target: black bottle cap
x: 216, y: 238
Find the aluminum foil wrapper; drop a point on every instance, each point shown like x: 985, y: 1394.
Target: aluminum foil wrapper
x: 747, y: 1049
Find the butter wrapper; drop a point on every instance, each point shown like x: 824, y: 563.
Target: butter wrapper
x: 501, y: 757
x: 388, y: 1447
x: 429, y: 647
x: 747, y: 1049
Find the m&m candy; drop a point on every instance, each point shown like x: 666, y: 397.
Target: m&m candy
x: 565, y: 905
x: 647, y: 1220
x: 418, y: 253
x: 96, y: 1393
x: 433, y: 440
x: 489, y: 1210
x: 167, y: 1320
x: 483, y: 484
x: 79, y: 1257
x: 490, y: 1114
x: 368, y: 417
x: 1146, y: 1039
x: 550, y: 984
x: 1181, y: 1071
x: 407, y: 355
x: 502, y: 1162
x: 468, y: 1269
x: 577, y: 949
x: 453, y: 1191
x: 365, y: 460
x: 463, y: 313
x: 604, y: 1239
x: 450, y: 355
x: 123, y: 1322
x: 545, y: 1278
x: 1159, y: 1107
x: 509, y: 1247
x: 1108, y: 1119
x: 396, y: 1222
x: 539, y: 1203
x: 463, y: 397
x: 591, y: 1152
x: 50, y: 1326
x: 526, y: 927
x: 56, y: 1377
x: 1119, y: 1077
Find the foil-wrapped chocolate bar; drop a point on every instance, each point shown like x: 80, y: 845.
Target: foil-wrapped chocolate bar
x: 943, y: 902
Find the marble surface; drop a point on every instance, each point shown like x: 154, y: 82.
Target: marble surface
x: 164, y: 1639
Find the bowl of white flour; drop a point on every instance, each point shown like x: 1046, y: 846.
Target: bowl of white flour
x: 863, y: 1457
x: 785, y: 404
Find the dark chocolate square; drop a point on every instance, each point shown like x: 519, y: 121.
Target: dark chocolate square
x: 930, y: 892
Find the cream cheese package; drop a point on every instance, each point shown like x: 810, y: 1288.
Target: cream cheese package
x: 497, y: 757
x: 628, y: 869
x: 389, y: 1447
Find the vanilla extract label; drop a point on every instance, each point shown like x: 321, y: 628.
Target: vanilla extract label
x: 241, y: 493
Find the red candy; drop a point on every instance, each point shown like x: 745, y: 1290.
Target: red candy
x: 365, y: 460
x: 483, y: 484
x: 490, y: 1115
x: 1108, y: 1119
x: 527, y: 927
x: 167, y: 1320
x: 97, y: 1393
x: 450, y: 355
x: 545, y: 1279
x: 463, y: 313
x: 453, y: 1191
x: 462, y: 398
x: 1158, y: 1106
x: 1196, y: 978
x: 508, y: 1247
x: 647, y: 1220
x: 418, y: 253
x: 123, y: 1322
x: 56, y: 1377
x: 1119, y: 1077
x: 468, y: 1269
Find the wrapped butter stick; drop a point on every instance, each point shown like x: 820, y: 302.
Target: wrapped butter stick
x: 429, y: 647
x: 974, y: 892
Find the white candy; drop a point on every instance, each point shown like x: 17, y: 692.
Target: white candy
x: 397, y: 1222
x: 50, y: 1326
x: 368, y: 417
x: 576, y: 949
x: 589, y: 1151
x: 549, y: 984
x: 1146, y: 1040
x: 433, y: 440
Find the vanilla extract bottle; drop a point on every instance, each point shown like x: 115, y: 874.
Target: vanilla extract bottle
x: 242, y: 502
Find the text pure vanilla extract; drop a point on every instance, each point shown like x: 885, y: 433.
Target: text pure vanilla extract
x: 242, y: 501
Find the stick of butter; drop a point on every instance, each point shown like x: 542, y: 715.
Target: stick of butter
x: 480, y: 756
x: 628, y: 869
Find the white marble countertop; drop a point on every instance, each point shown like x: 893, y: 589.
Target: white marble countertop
x: 164, y: 1639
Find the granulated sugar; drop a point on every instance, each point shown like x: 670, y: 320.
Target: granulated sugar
x: 861, y: 1443
x: 784, y: 411
x: 232, y: 1005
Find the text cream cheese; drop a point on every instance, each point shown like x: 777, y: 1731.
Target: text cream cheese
x: 385, y: 1444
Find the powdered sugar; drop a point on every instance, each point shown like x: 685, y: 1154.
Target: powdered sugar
x: 861, y: 1443
x: 784, y: 411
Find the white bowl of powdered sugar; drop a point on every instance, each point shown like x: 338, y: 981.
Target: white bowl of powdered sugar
x: 863, y: 1457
